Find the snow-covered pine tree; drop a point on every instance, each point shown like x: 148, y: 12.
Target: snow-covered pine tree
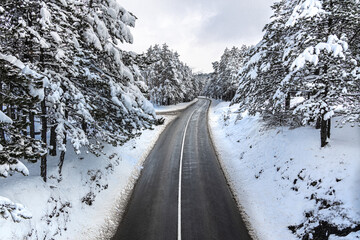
x: 202, y: 80
x: 90, y: 92
x: 305, y: 49
x: 223, y: 79
x: 20, y: 91
x: 230, y: 63
x: 120, y: 107
x: 169, y: 80
x: 21, y: 87
x: 191, y: 85
x: 223, y: 83
x: 61, y: 62
x: 9, y: 163
x: 211, y: 88
x: 152, y: 56
x: 263, y: 68
x: 321, y: 62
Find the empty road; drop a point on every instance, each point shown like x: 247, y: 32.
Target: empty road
x: 182, y: 192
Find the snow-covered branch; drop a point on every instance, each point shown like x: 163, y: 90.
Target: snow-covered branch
x: 16, y: 211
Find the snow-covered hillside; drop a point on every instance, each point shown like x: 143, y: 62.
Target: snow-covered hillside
x: 288, y: 186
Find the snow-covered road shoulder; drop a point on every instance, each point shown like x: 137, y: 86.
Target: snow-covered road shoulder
x: 161, y: 110
x: 289, y: 187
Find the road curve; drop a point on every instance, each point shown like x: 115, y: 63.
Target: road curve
x: 208, y: 210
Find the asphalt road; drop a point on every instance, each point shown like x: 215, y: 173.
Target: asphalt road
x: 208, y: 210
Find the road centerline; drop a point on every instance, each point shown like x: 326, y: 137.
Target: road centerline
x: 180, y: 175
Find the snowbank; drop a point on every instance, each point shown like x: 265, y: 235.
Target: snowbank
x: 284, y: 180
x: 173, y: 108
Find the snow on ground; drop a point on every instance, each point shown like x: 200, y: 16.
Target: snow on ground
x: 173, y: 108
x: 87, y: 202
x: 282, y: 177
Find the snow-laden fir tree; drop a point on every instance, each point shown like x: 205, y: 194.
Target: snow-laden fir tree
x: 263, y: 68
x: 211, y: 88
x: 321, y: 62
x: 17, y: 96
x: 223, y: 81
x: 170, y: 81
x: 61, y: 65
x: 202, y: 79
x: 21, y: 87
x: 305, y: 49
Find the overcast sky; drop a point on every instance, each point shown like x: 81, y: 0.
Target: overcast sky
x: 199, y: 30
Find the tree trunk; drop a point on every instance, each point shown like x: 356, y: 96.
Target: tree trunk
x: 318, y: 123
x: 32, y: 124
x: 328, y: 127
x: 13, y: 114
x: 43, y: 167
x: 44, y: 139
x: 84, y: 125
x: 323, y: 132
x: 8, y: 110
x: 2, y: 132
x: 8, y: 106
x: 24, y: 124
x: 330, y: 23
x: 287, y: 101
x: 62, y: 154
x: 53, y: 139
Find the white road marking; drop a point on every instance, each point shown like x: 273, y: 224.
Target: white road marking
x: 180, y: 176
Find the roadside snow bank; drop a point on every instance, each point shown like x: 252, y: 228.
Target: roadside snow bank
x: 289, y: 187
x: 87, y: 201
x: 173, y: 108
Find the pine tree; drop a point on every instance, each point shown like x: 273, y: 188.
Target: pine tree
x: 223, y: 81
x: 264, y: 67
x: 305, y: 49
x: 170, y: 81
x: 21, y: 86
x: 318, y: 52
x: 70, y: 73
